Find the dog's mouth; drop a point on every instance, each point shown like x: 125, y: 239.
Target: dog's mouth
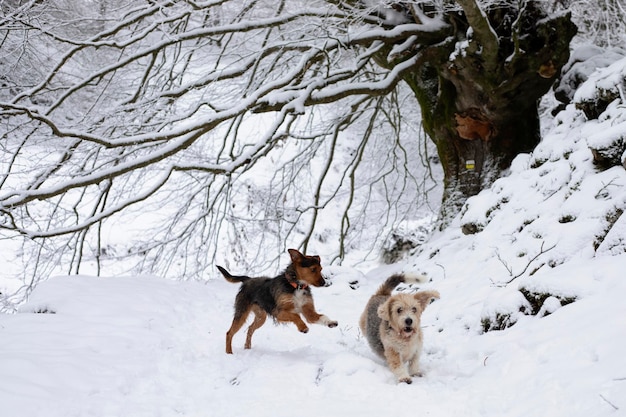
x: 321, y: 283
x: 407, y: 331
x: 324, y: 282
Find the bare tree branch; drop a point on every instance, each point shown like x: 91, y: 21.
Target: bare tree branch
x: 483, y: 38
x: 237, y: 125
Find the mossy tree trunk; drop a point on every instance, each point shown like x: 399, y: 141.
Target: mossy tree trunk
x: 479, y: 94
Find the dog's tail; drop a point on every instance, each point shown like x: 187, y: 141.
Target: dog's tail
x: 405, y: 278
x: 232, y: 278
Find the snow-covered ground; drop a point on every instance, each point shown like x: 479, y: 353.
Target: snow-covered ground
x: 129, y: 346
x: 553, y: 229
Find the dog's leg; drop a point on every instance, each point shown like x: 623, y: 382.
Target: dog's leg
x: 290, y: 316
x: 397, y: 366
x: 312, y: 316
x: 414, y: 366
x: 238, y: 322
x: 259, y: 319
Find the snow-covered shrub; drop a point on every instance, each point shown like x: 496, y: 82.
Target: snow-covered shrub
x: 543, y: 303
x: 583, y: 61
x: 476, y: 216
x: 610, y: 220
x: 608, y: 147
x: 614, y: 240
x: 603, y: 87
x: 504, y: 311
x: 602, y: 98
x: 405, y: 239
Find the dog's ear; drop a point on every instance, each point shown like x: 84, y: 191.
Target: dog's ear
x: 383, y: 311
x: 426, y: 297
x: 295, y: 255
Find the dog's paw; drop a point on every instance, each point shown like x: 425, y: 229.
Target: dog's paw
x: 324, y: 320
x: 304, y: 330
x: 406, y: 380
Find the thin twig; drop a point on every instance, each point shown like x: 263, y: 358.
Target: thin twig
x: 510, y: 269
x: 609, y: 402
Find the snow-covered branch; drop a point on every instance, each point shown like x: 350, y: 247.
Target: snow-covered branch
x: 226, y: 115
x: 484, y: 39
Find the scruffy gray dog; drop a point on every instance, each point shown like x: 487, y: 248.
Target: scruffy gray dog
x: 391, y: 324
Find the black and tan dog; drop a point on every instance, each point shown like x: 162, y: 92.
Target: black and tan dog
x: 391, y: 324
x: 284, y: 297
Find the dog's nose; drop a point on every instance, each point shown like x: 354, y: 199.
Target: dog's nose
x: 408, y: 321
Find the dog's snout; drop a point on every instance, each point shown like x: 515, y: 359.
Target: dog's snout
x: 408, y: 321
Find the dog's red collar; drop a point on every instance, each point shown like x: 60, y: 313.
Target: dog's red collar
x: 292, y: 279
x: 298, y: 285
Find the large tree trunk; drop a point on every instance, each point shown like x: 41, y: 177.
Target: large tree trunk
x: 478, y: 137
x: 479, y: 96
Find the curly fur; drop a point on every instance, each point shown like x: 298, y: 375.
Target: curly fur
x: 391, y: 324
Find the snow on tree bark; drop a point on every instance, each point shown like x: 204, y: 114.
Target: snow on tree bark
x: 478, y: 87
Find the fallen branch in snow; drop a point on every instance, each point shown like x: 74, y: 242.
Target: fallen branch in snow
x: 503, y: 262
x: 603, y: 192
x: 510, y: 269
x: 444, y: 270
x: 609, y: 402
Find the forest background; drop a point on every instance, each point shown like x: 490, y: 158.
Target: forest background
x: 170, y: 134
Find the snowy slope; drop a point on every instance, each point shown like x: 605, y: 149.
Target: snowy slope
x: 142, y: 346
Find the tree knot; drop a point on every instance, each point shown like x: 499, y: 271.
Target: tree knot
x: 472, y: 125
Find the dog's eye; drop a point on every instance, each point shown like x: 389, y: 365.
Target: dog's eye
x: 414, y: 309
x: 399, y: 311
